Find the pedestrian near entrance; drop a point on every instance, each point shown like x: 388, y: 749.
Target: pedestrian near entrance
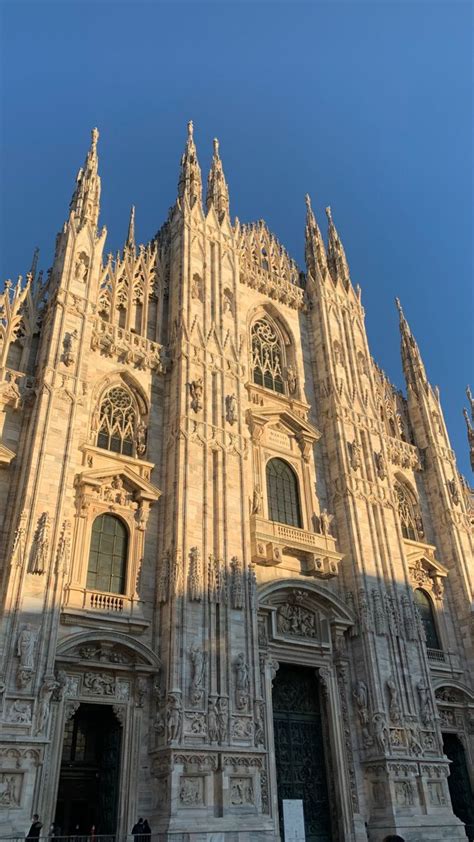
x: 141, y: 831
x: 35, y: 828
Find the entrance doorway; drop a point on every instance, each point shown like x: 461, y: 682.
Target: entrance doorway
x: 299, y: 748
x: 89, y: 777
x: 460, y: 789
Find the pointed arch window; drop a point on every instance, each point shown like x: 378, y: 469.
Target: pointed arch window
x: 267, y: 357
x: 409, y: 514
x: 117, y: 421
x: 425, y: 610
x: 283, y: 494
x: 108, y: 555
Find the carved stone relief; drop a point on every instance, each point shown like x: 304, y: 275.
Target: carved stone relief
x: 241, y: 791
x: 10, y: 789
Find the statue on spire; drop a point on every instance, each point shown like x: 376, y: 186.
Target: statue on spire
x: 469, y: 425
x: 217, y: 190
x: 85, y: 203
x: 190, y: 183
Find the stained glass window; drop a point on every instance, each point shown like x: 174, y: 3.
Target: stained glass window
x: 425, y: 610
x: 117, y: 421
x: 267, y: 357
x: 410, y: 518
x: 108, y: 555
x: 282, y: 491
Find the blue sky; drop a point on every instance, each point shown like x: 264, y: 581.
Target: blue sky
x: 366, y: 106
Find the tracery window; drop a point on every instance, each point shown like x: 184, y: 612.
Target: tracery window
x: 282, y: 492
x: 267, y: 357
x: 108, y: 555
x: 117, y: 421
x: 408, y: 512
x: 425, y: 610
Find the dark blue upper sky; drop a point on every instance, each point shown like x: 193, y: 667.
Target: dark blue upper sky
x: 366, y: 106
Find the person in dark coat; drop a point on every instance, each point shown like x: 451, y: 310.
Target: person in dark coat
x: 35, y: 828
x: 138, y: 831
x: 146, y: 831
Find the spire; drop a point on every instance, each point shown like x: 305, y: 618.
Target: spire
x: 86, y: 198
x: 315, y: 252
x: 217, y: 190
x: 190, y: 183
x: 130, y: 243
x: 413, y: 367
x: 337, y: 261
x: 34, y: 262
x: 469, y: 425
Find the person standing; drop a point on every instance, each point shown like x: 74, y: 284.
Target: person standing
x: 35, y: 828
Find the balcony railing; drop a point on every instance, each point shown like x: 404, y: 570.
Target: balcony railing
x: 270, y: 539
x: 437, y: 655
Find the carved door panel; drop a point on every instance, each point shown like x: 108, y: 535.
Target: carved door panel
x: 460, y: 790
x: 299, y: 749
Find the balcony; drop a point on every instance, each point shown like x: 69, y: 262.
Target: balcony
x: 86, y: 607
x: 270, y: 540
x: 441, y: 661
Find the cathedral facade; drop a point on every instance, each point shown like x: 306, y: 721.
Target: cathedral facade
x: 236, y: 561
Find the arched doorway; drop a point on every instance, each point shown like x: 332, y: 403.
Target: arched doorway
x: 299, y: 748
x: 460, y: 789
x: 90, y: 767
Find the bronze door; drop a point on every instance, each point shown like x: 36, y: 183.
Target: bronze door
x: 299, y: 748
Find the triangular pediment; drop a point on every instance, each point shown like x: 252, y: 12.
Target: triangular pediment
x: 283, y: 418
x: 422, y: 558
x: 99, y: 476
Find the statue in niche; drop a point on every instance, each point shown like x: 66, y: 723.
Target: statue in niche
x: 361, y: 698
x: 291, y: 379
x: 325, y: 520
x: 394, y: 707
x: 231, y: 408
x: 222, y: 718
x: 227, y: 301
x: 174, y: 717
x: 196, y: 287
x: 69, y: 347
x: 355, y: 455
x: 425, y: 704
x: 81, y: 268
x: 196, y: 390
x: 257, y: 501
x: 242, y: 682
x: 141, y: 439
x: 40, y: 546
x: 380, y: 465
x: 26, y: 647
x: 381, y: 732
x: 212, y: 720
x: 198, y: 662
x: 44, y: 705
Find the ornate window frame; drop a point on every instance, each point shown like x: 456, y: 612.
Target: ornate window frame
x: 140, y: 408
x: 109, y: 490
x: 403, y: 490
x: 291, y: 388
x: 427, y: 574
x: 281, y: 432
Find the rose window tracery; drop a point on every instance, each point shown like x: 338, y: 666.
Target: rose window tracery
x: 267, y: 357
x: 117, y: 422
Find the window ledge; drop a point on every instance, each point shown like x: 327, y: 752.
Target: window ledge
x: 270, y: 539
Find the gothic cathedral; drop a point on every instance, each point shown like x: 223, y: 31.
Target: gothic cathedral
x: 236, y: 561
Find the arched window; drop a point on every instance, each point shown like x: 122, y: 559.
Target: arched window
x: 282, y: 492
x: 425, y: 610
x: 267, y: 357
x: 409, y: 514
x: 117, y: 421
x: 108, y: 555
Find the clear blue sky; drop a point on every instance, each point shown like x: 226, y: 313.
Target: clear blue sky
x: 366, y: 106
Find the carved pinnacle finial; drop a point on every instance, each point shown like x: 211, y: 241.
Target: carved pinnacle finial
x: 308, y: 201
x: 399, y: 306
x: 189, y: 184
x: 95, y: 138
x: 85, y: 203
x: 131, y: 229
x: 190, y: 129
x: 329, y: 215
x: 217, y: 191
x: 471, y: 400
x: 34, y: 262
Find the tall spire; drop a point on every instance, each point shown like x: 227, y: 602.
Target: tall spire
x: 413, y: 367
x: 85, y: 203
x: 469, y: 425
x: 130, y: 243
x: 217, y: 190
x: 337, y: 261
x: 190, y: 183
x: 315, y: 252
